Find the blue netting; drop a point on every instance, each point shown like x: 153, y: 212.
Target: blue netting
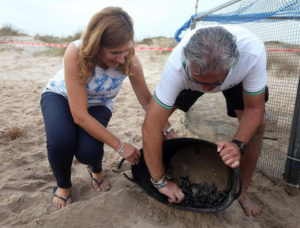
x: 277, y: 24
x: 250, y: 11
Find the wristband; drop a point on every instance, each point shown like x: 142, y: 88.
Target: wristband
x: 161, y: 182
x: 168, y: 130
x: 120, y: 150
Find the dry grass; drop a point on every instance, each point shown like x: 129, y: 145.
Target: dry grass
x: 12, y: 133
x: 146, y: 41
x: 58, y: 40
x: 9, y: 48
x: 8, y: 30
x: 158, y: 41
x: 56, y: 51
x: 51, y: 51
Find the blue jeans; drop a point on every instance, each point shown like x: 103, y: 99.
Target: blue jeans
x: 65, y: 139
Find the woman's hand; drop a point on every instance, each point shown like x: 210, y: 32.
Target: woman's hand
x: 131, y: 154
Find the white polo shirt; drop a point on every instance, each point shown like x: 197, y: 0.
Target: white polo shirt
x: 250, y: 69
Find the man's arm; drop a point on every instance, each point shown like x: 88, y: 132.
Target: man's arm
x: 254, y: 107
x: 251, y: 118
x: 155, y: 119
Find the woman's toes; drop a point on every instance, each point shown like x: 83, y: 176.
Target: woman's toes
x: 61, y: 197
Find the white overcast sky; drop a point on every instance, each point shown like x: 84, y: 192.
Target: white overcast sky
x: 65, y: 17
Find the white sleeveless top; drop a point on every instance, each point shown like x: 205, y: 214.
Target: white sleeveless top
x: 102, y: 88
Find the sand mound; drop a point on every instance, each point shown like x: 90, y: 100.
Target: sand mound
x: 26, y: 180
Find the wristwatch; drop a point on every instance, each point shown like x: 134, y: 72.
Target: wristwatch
x: 241, y: 145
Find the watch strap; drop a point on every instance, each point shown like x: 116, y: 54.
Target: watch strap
x: 241, y: 145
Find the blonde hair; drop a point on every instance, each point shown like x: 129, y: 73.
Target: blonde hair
x: 110, y: 28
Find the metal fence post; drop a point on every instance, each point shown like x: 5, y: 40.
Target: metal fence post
x: 292, y: 165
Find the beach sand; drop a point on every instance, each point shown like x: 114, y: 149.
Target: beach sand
x: 26, y: 180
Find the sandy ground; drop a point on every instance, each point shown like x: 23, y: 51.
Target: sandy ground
x: 26, y: 180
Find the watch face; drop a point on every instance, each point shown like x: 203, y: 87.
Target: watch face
x: 243, y: 148
x: 241, y: 145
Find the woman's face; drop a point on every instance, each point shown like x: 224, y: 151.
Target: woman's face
x: 112, y: 57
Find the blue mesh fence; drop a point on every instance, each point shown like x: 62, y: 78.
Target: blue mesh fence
x: 277, y: 23
x: 251, y: 11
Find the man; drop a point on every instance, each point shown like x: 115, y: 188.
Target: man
x: 227, y: 59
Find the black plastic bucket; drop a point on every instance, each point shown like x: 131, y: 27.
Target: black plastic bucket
x: 200, y: 161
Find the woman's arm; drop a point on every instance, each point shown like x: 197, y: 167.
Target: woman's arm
x: 143, y: 94
x: 138, y: 83
x: 77, y: 98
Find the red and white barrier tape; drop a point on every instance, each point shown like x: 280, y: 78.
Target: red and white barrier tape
x: 32, y: 43
x: 138, y: 48
x: 66, y: 45
x: 284, y: 50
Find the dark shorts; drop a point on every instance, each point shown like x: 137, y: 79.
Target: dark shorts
x: 233, y: 96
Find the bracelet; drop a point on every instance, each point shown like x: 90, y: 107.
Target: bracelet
x: 168, y: 130
x: 161, y: 182
x: 120, y: 150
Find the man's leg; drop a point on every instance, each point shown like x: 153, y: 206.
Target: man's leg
x: 247, y: 167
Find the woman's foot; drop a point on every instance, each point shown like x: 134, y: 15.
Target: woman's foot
x: 100, y: 182
x: 61, y: 197
x: 250, y: 208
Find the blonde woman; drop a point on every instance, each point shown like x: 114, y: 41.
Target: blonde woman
x: 77, y: 103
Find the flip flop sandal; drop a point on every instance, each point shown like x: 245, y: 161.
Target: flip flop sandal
x: 107, y: 188
x: 60, y: 197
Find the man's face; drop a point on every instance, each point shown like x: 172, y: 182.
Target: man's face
x: 208, y: 81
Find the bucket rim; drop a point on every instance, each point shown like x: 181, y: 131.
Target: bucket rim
x: 235, y: 176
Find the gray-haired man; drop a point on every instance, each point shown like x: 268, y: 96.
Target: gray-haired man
x: 227, y: 59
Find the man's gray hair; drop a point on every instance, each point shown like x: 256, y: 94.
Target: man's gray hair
x: 212, y: 49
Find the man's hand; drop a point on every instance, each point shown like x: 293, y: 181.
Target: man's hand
x: 230, y: 153
x: 173, y: 192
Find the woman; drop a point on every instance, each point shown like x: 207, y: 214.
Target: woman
x: 77, y: 103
